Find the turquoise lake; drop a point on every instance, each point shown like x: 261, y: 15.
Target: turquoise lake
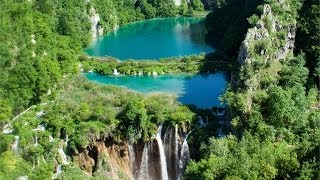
x: 154, y: 39
x: 202, y: 90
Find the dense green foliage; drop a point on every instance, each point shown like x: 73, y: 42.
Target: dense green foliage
x: 275, y: 118
x: 84, y: 111
x: 190, y: 64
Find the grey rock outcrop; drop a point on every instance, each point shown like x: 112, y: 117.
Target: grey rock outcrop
x: 96, y: 28
x: 267, y: 25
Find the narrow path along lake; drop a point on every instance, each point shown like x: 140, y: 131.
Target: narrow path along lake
x: 201, y: 90
x: 154, y: 39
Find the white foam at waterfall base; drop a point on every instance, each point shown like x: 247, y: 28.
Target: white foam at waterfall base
x: 115, y: 72
x: 144, y: 172
x: 163, y: 162
x: 15, y: 146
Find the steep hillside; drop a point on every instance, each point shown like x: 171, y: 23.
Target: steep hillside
x: 275, y: 119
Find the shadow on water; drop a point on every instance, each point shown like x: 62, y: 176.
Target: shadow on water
x: 203, y: 90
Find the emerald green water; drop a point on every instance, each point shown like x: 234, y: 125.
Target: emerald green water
x: 154, y: 39
x: 202, y: 90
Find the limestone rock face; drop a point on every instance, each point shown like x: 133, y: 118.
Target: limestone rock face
x: 265, y: 27
x: 85, y: 161
x: 104, y: 157
x: 96, y: 28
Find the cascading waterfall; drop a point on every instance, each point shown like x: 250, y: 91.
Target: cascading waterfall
x: 15, y: 146
x: 63, y: 156
x: 144, y: 166
x: 35, y: 141
x: 58, y: 171
x: 201, y: 122
x: 221, y: 122
x: 115, y: 72
x: 66, y: 140
x: 163, y: 162
x: 50, y: 138
x: 95, y: 18
x: 173, y: 156
x: 64, y: 161
x: 176, y: 147
x: 185, y: 155
x: 40, y: 127
x: 7, y: 129
x: 132, y: 159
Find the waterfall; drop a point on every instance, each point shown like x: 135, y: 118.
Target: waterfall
x: 163, y: 163
x: 41, y: 127
x: 220, y: 113
x: 221, y: 122
x: 219, y: 132
x: 15, y: 146
x: 35, y: 141
x: 177, y: 2
x: 201, y: 122
x: 132, y: 157
x: 66, y: 140
x: 115, y: 72
x: 7, y: 129
x: 184, y: 156
x: 144, y: 166
x: 50, y: 138
x: 176, y: 148
x: 22, y: 177
x: 63, y: 156
x: 95, y: 18
x: 58, y: 171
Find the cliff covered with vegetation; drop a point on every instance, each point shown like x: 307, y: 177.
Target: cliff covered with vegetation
x: 87, y: 129
x: 275, y: 115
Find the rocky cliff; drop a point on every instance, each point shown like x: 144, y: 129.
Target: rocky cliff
x: 104, y: 157
x: 96, y: 28
x: 269, y: 41
x: 263, y: 39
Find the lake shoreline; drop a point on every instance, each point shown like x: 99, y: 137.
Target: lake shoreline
x: 199, y: 89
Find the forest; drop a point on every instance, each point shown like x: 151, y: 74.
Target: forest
x: 274, y: 104
x: 273, y: 100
